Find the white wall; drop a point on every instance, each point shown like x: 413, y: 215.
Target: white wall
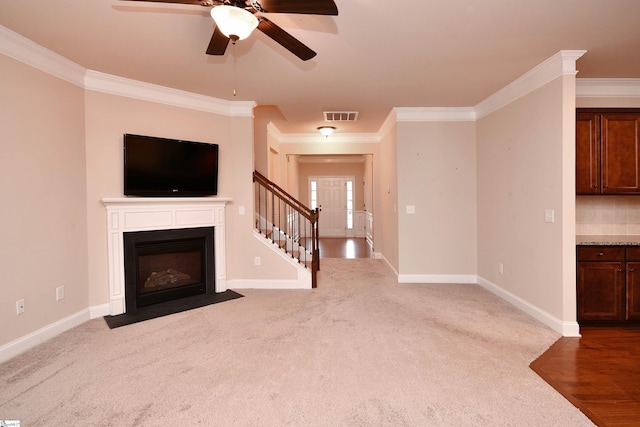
x: 526, y: 161
x: 437, y: 176
x: 43, y: 214
x: 385, y: 196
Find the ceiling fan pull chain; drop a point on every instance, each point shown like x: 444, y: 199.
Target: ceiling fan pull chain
x: 233, y: 48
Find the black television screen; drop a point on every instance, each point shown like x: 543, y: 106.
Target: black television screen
x: 167, y: 167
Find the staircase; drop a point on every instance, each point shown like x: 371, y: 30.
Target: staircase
x: 287, y: 223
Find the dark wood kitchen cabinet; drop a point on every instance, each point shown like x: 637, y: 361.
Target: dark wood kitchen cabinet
x: 607, y: 151
x: 608, y: 284
x: 633, y: 284
x: 600, y: 283
x: 587, y: 153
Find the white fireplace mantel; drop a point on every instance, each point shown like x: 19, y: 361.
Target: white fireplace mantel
x: 160, y: 213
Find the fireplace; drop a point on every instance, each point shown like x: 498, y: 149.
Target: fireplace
x: 130, y: 215
x: 166, y: 265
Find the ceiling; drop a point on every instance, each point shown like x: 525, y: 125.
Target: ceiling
x: 373, y: 56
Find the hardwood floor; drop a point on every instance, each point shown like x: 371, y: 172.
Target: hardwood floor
x: 599, y: 373
x: 344, y: 248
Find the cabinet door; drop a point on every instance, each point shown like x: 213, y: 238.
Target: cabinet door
x: 633, y: 291
x: 600, y: 287
x: 620, y: 151
x: 587, y: 153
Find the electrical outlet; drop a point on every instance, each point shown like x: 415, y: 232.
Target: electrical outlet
x: 59, y: 293
x: 256, y: 260
x: 20, y: 306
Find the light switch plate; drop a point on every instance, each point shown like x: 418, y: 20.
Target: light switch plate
x: 549, y: 215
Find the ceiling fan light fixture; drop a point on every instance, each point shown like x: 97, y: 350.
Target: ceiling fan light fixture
x: 326, y: 130
x: 234, y: 22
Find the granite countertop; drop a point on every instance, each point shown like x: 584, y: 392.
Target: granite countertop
x: 612, y: 240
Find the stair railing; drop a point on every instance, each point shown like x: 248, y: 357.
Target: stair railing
x: 287, y: 223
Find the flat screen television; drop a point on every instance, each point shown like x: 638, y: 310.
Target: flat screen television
x: 162, y: 167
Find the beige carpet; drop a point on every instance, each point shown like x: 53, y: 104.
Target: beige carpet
x: 360, y: 350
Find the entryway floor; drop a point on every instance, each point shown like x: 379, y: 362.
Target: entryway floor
x: 344, y: 248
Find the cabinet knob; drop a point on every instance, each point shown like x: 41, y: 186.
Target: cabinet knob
x: 631, y: 269
x: 600, y: 253
x: 620, y: 270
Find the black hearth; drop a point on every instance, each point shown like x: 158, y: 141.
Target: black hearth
x: 166, y: 265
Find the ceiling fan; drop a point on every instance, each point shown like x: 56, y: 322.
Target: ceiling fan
x: 236, y: 19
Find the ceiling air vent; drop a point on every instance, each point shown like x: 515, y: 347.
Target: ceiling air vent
x: 340, y: 116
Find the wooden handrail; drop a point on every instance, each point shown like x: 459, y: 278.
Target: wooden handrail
x: 310, y: 214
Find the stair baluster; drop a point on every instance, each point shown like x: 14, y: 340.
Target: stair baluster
x: 290, y: 225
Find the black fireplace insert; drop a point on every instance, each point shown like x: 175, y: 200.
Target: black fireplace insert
x: 166, y: 265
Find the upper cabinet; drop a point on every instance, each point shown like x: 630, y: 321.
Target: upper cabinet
x: 607, y: 151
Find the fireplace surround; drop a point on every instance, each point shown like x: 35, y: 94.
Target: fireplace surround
x: 128, y: 215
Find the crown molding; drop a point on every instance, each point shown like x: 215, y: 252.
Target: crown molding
x: 388, y: 124
x: 311, y: 158
x: 24, y: 50
x: 609, y: 88
x: 425, y: 114
x: 562, y: 63
x: 295, y: 138
x: 434, y: 114
x: 114, y: 85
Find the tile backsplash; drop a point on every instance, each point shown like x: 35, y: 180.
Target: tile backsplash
x: 605, y: 215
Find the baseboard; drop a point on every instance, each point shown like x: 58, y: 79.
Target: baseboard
x: 378, y: 255
x: 567, y: 329
x: 302, y: 282
x: 437, y: 278
x: 35, y: 338
x: 99, y: 311
x: 268, y: 284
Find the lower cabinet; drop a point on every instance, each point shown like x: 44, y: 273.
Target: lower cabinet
x: 600, y: 283
x: 633, y: 284
x: 608, y: 284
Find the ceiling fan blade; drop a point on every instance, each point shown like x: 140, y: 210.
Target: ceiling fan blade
x: 196, y: 2
x: 312, y: 7
x: 218, y: 43
x: 289, y: 42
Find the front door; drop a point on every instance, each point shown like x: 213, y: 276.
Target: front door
x: 331, y: 198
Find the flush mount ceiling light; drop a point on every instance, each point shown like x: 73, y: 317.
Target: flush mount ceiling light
x: 326, y: 130
x: 234, y: 22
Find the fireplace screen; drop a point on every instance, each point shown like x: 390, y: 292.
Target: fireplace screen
x: 165, y: 265
x: 170, y: 270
